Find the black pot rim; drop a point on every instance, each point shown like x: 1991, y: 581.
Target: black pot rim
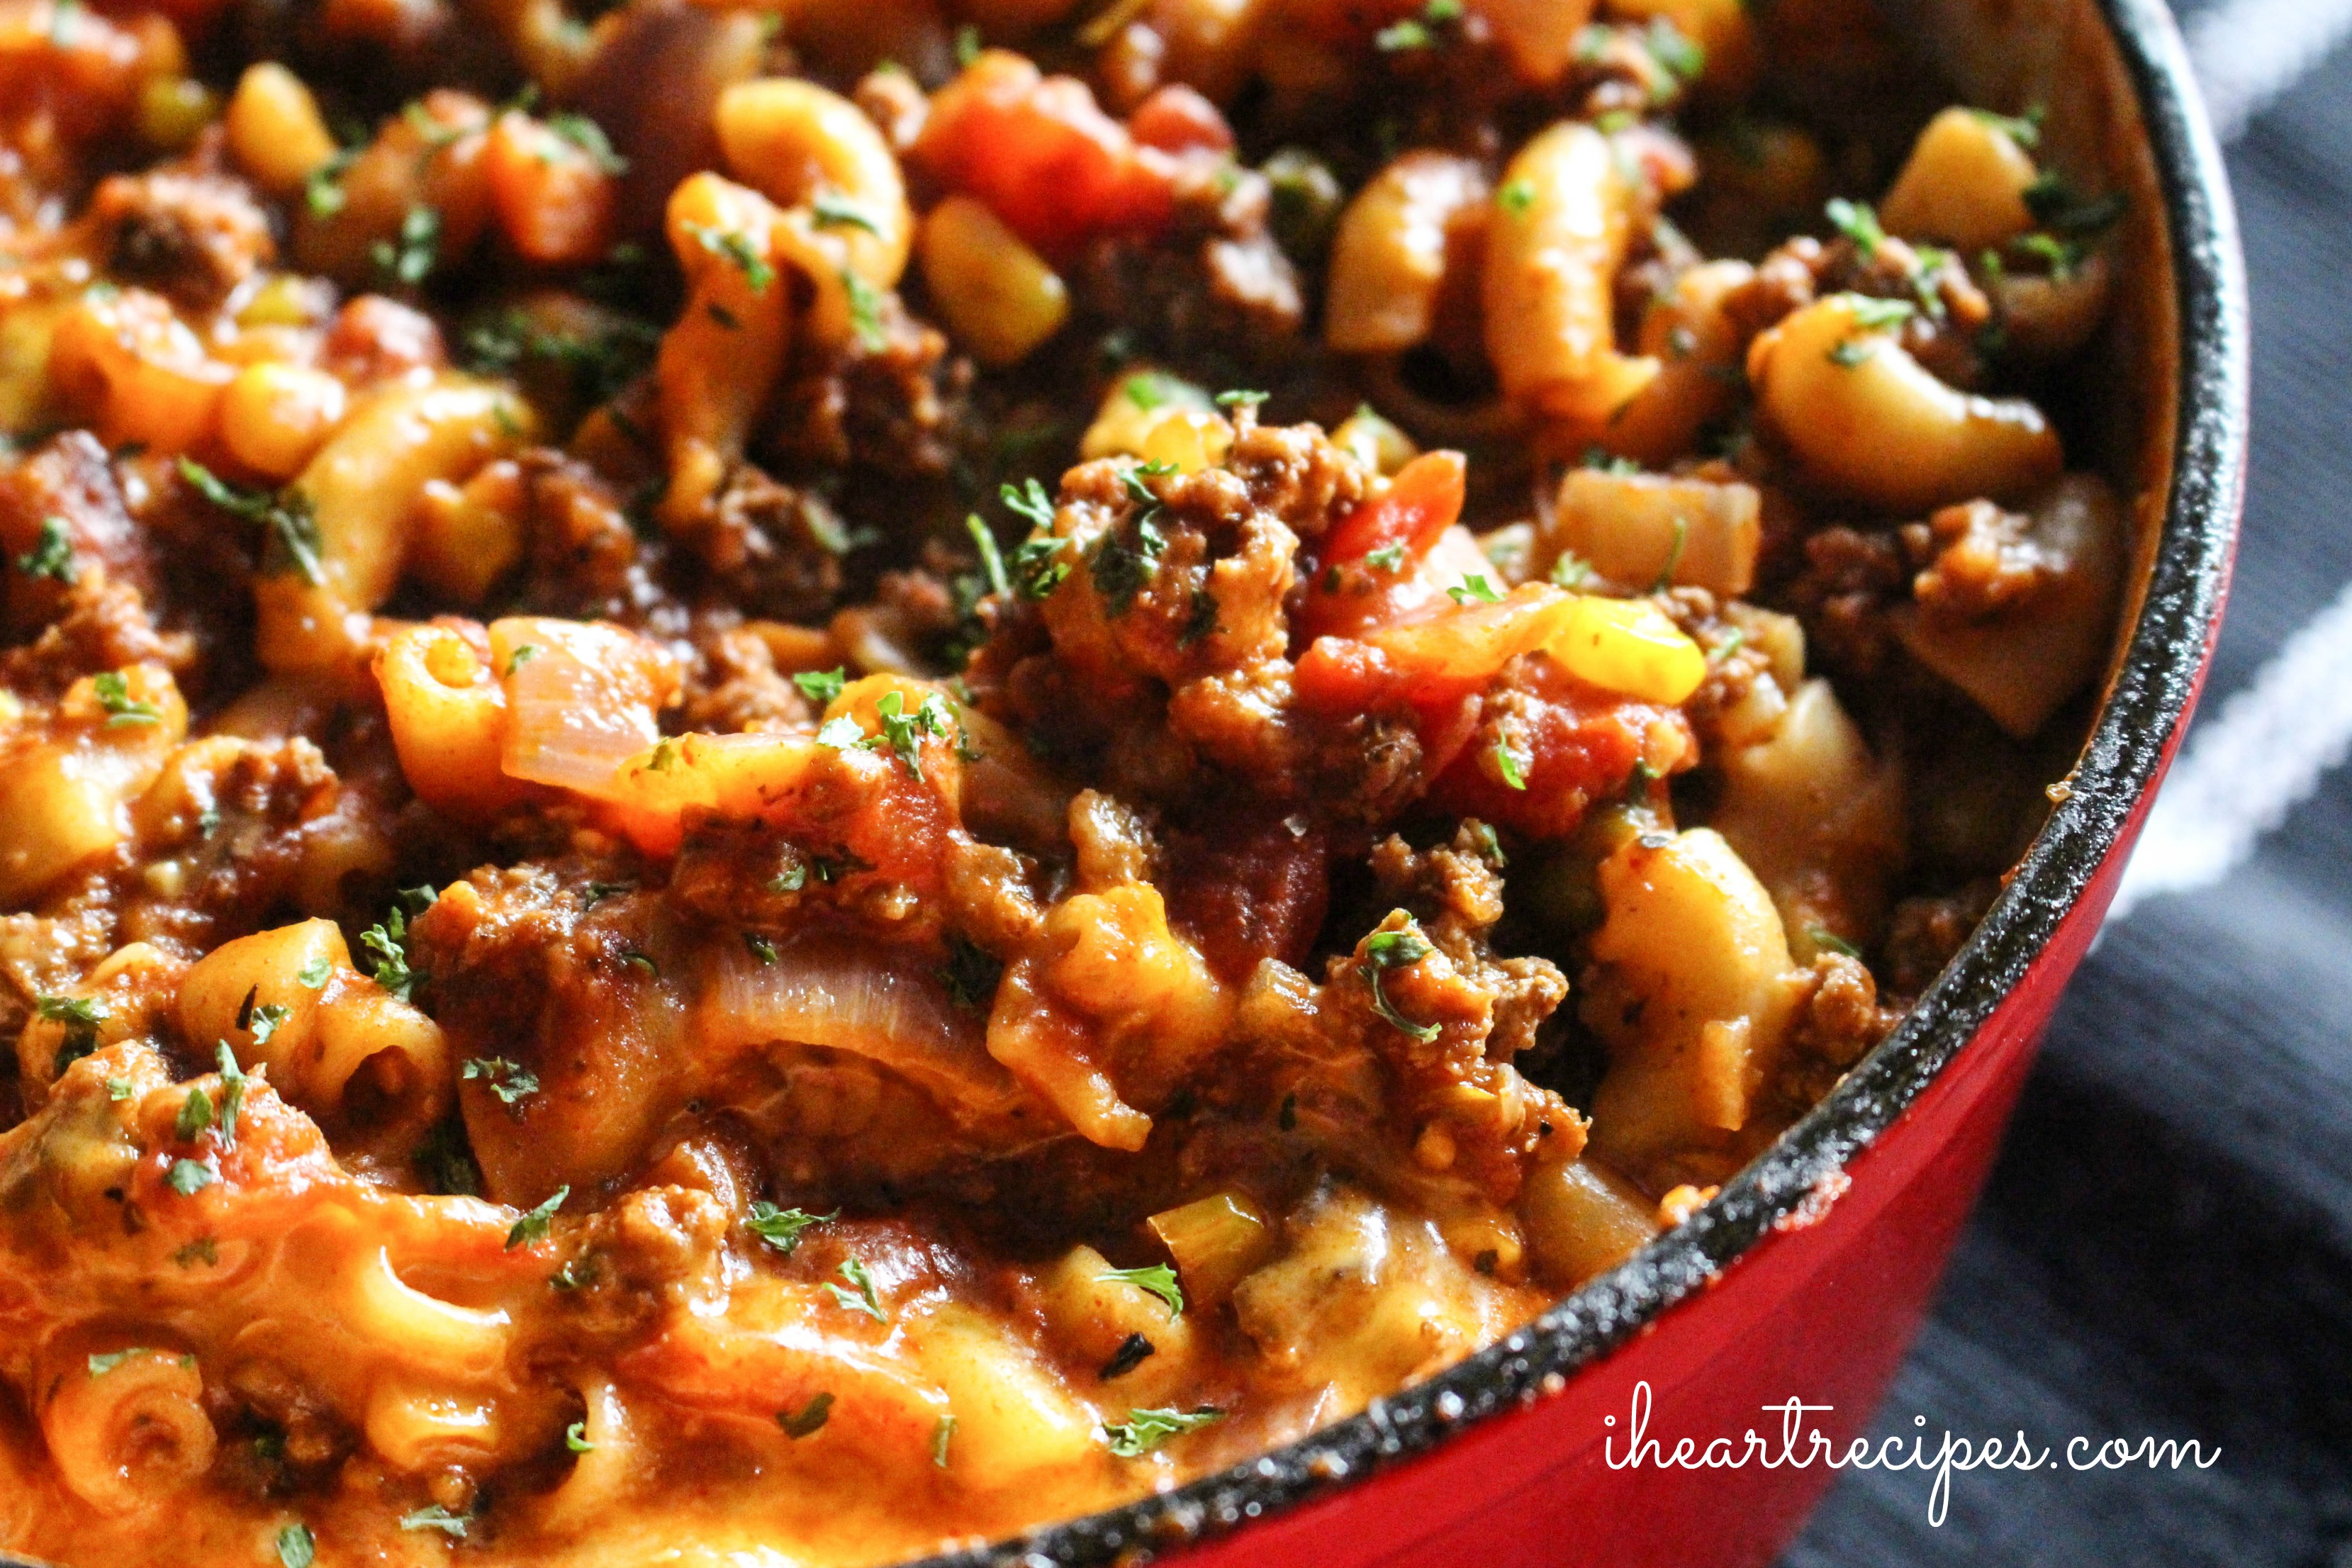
x: 2151, y: 698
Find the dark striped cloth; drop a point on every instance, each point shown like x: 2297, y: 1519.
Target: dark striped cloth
x: 2166, y: 1246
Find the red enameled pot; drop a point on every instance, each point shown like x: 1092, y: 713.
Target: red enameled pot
x: 1808, y: 1275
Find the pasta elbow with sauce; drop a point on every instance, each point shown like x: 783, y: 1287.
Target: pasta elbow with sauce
x: 817, y: 794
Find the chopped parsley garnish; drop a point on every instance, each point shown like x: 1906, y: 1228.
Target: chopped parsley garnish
x: 123, y: 710
x: 1571, y: 569
x: 1150, y: 389
x: 942, y: 1436
x: 100, y: 1365
x: 432, y: 1516
x: 1387, y: 558
x: 1858, y: 221
x: 643, y: 963
x: 860, y: 1296
x: 781, y: 1228
x: 1030, y: 502
x: 1510, y: 764
x: 1132, y: 1353
x: 535, y: 1223
x: 322, y: 189
x: 1037, y: 564
x: 600, y: 366
x: 1418, y: 32
x: 1144, y: 1430
x: 597, y: 892
x: 900, y: 727
x: 81, y: 1016
x: 761, y: 948
x: 1825, y: 938
x: 204, y: 1250
x: 52, y: 554
x: 790, y: 880
x: 189, y: 1177
x: 808, y: 1421
x: 233, y: 1087
x: 263, y: 1020
x: 1387, y: 950
x: 1515, y: 196
x: 118, y: 1088
x: 2058, y: 206
x: 1876, y: 315
x: 589, y: 137
x: 1683, y: 57
x: 1474, y: 587
x: 1490, y: 848
x: 1665, y: 578
x: 576, y: 1438
x: 510, y: 1081
x: 971, y: 973
x: 196, y: 1115
x: 1158, y: 1278
x: 832, y: 212
x: 967, y: 43
x: 842, y: 734
x: 296, y: 1547
x: 411, y: 257
x: 314, y: 971
x: 1240, y: 399
x: 523, y: 654
x: 386, y: 944
x: 729, y: 245
x: 821, y: 685
x: 992, y: 559
x: 290, y: 539
x: 865, y: 312
x: 2025, y: 129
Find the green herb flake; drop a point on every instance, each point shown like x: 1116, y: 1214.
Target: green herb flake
x: 842, y: 734
x: 1570, y: 571
x: 942, y: 1436
x: 509, y: 1081
x: 296, y: 1547
x: 411, y: 257
x: 1475, y: 588
x: 189, y: 1177
x: 860, y: 1296
x: 196, y: 1115
x: 118, y: 1090
x: 1510, y: 764
x: 100, y: 1365
x: 821, y: 685
x: 122, y: 712
x: 967, y: 45
x: 314, y: 972
x: 992, y: 559
x: 234, y: 1082
x: 865, y: 312
x: 1144, y: 1430
x: 808, y: 1421
x: 1665, y: 578
x: 204, y: 1250
x: 535, y: 1223
x: 52, y: 556
x: 1240, y: 399
x: 731, y: 246
x: 1515, y: 196
x: 1683, y: 57
x: 1490, y: 848
x: 1823, y: 937
x: 576, y: 1438
x: 1158, y: 1278
x: 523, y: 654
x: 1396, y: 949
x: 2025, y: 129
x: 589, y: 137
x: 1858, y: 221
x: 760, y: 948
x: 290, y: 540
x: 833, y: 212
x: 781, y: 1228
x: 432, y: 1516
x: 81, y: 1016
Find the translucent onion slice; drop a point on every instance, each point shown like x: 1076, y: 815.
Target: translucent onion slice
x: 890, y: 1007
x: 580, y: 700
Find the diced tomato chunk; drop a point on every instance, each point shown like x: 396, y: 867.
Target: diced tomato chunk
x: 1581, y: 743
x: 1042, y: 155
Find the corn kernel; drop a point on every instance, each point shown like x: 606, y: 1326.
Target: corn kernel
x: 274, y: 415
x: 172, y: 109
x: 1629, y: 646
x: 1190, y: 440
x: 1136, y: 405
x: 275, y: 130
x: 999, y: 297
